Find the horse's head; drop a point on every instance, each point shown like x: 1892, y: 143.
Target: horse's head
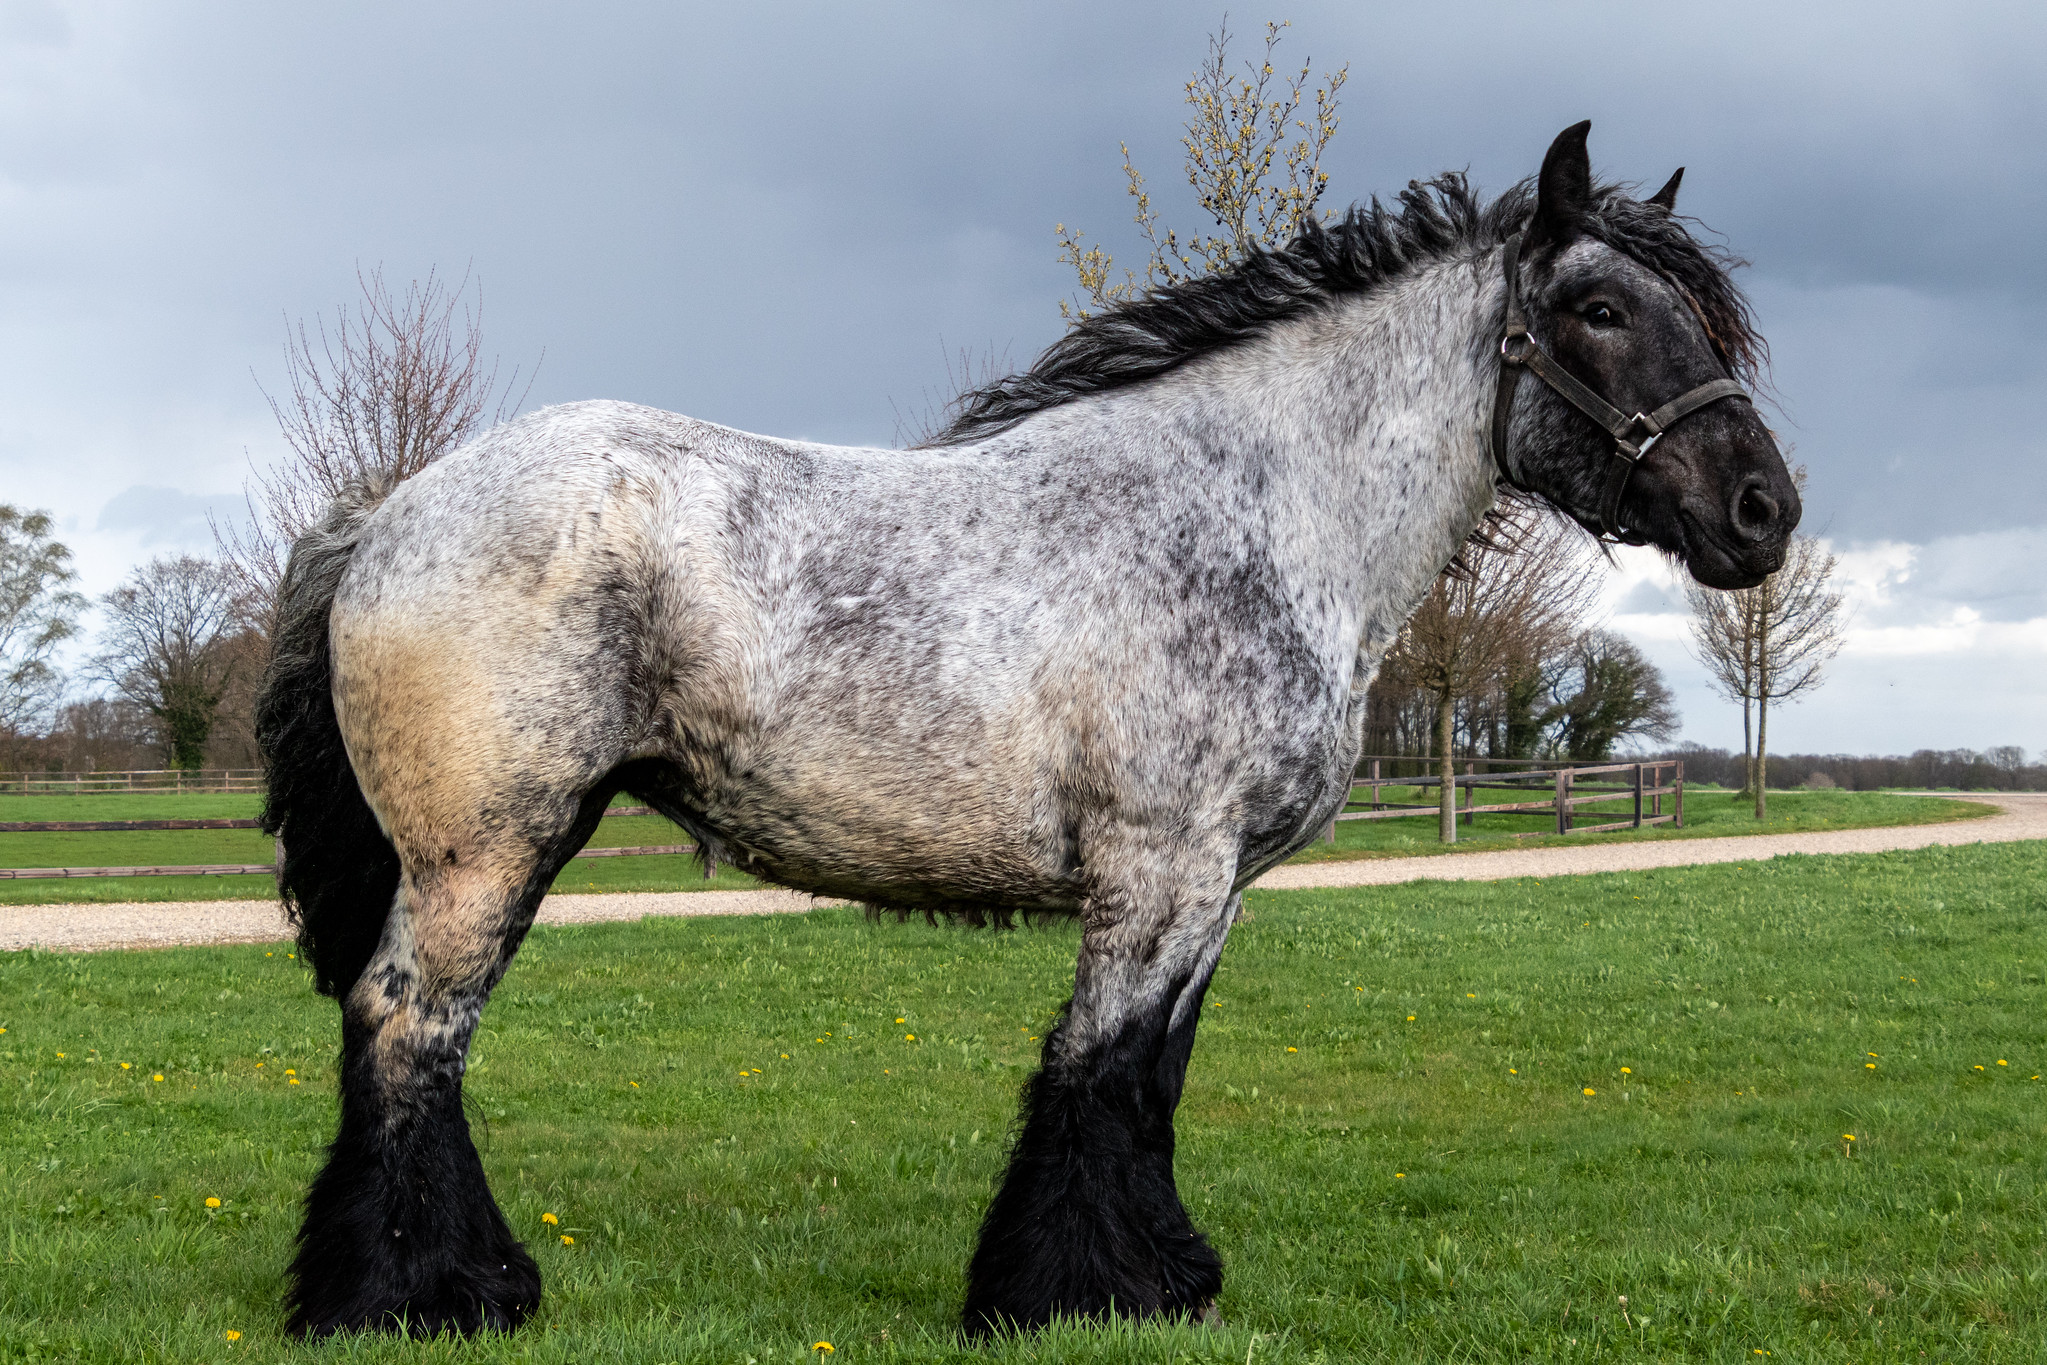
x: 1621, y: 297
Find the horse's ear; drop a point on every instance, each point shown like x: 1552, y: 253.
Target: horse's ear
x: 1563, y: 192
x: 1666, y: 198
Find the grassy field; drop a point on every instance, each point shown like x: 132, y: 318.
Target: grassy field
x: 1707, y: 814
x: 1444, y: 1121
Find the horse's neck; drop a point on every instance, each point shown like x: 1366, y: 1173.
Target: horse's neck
x: 1374, y: 415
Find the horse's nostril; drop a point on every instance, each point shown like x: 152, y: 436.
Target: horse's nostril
x: 1754, y: 512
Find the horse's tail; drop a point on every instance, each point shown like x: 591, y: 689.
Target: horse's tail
x: 338, y: 874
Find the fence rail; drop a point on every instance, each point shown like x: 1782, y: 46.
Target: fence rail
x: 140, y: 780
x: 1647, y: 783
x: 237, y: 869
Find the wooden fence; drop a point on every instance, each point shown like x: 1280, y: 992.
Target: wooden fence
x: 234, y: 869
x: 141, y: 780
x: 1565, y: 787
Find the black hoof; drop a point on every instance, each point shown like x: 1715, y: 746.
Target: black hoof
x: 461, y: 1302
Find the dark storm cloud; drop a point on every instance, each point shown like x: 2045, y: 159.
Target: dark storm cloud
x: 787, y: 220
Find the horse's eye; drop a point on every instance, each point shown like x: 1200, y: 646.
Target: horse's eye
x: 1599, y: 315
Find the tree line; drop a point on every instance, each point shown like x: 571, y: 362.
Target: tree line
x: 2001, y: 769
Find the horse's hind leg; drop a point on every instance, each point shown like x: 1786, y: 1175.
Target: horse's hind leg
x: 400, y: 1229
x: 1089, y: 1221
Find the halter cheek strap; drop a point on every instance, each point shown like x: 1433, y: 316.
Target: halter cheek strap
x: 1632, y: 436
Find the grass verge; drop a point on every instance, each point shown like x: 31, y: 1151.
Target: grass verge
x: 1708, y: 814
x: 1430, y: 1122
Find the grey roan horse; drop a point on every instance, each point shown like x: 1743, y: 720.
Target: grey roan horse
x: 1099, y: 650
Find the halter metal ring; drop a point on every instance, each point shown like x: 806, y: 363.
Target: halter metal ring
x: 1511, y: 355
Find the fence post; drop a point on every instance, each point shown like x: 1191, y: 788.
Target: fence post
x: 1638, y: 796
x: 1469, y: 797
x: 1679, y: 783
x: 1563, y: 794
x: 1375, y: 784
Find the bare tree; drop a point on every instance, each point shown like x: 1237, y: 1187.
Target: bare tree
x: 1518, y: 598
x: 162, y: 649
x: 1254, y: 161
x: 384, y: 390
x: 1769, y: 643
x: 38, y: 612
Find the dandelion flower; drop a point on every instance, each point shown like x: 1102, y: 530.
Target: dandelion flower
x: 785, y: 1056
x: 212, y: 1201
x: 634, y: 1084
x: 259, y: 1066
x: 1847, y: 1137
x: 1293, y: 1049
x: 567, y: 1240
x: 125, y: 1066
x: 157, y: 1077
x: 1869, y: 1066
x: 1469, y: 996
x: 1512, y: 1072
x: 1872, y: 1054
x: 2002, y: 1062
x: 911, y: 1038
x: 232, y: 1335
x: 1590, y: 1091
x: 1400, y: 1175
x: 1410, y: 1019
x: 901, y: 1020
x: 60, y: 1054
x: 550, y: 1220
x: 1626, y: 1072
x: 289, y: 1072
x: 823, y: 1347
x: 1979, y: 1068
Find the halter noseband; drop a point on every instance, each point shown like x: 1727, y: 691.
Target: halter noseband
x: 1519, y: 350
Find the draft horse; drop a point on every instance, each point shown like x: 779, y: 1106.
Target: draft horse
x: 1099, y: 649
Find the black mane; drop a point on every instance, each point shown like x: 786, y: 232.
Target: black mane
x: 1369, y: 245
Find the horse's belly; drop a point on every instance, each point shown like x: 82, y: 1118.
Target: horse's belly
x: 902, y: 837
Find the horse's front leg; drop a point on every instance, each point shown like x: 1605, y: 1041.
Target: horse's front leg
x: 1088, y: 1221
x: 400, y: 1229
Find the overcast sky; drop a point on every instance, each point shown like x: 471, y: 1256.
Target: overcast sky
x: 786, y: 217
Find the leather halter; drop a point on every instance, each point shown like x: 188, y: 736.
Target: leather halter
x: 1632, y: 436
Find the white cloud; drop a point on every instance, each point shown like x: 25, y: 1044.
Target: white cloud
x: 1945, y: 647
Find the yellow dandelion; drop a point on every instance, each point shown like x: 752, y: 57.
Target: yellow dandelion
x: 567, y: 1240
x: 1626, y: 1072
x: 2001, y: 1062
x: 291, y: 954
x: 550, y: 1220
x: 1869, y: 1066
x: 126, y: 1066
x: 1469, y: 996
x: 822, y: 1347
x: 259, y: 1066
x: 1847, y: 1137
x: 1872, y: 1054
x: 1410, y: 1019
x: 1590, y: 1091
x: 1293, y: 1049
x: 60, y: 1054
x: 634, y: 1084
x: 212, y: 1201
x: 157, y: 1077
x: 1979, y: 1068
x: 232, y: 1335
x: 1512, y: 1072
x: 911, y: 1038
x: 756, y: 1071
x: 785, y: 1056
x: 900, y: 1019
x: 289, y: 1072
x: 1400, y: 1175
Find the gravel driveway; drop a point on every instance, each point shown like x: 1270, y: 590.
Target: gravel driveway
x: 162, y: 924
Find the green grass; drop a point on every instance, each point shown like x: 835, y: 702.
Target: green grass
x: 1708, y: 813
x: 142, y: 848
x: 1434, y: 1187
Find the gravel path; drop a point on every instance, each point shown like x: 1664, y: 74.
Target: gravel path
x: 163, y: 924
